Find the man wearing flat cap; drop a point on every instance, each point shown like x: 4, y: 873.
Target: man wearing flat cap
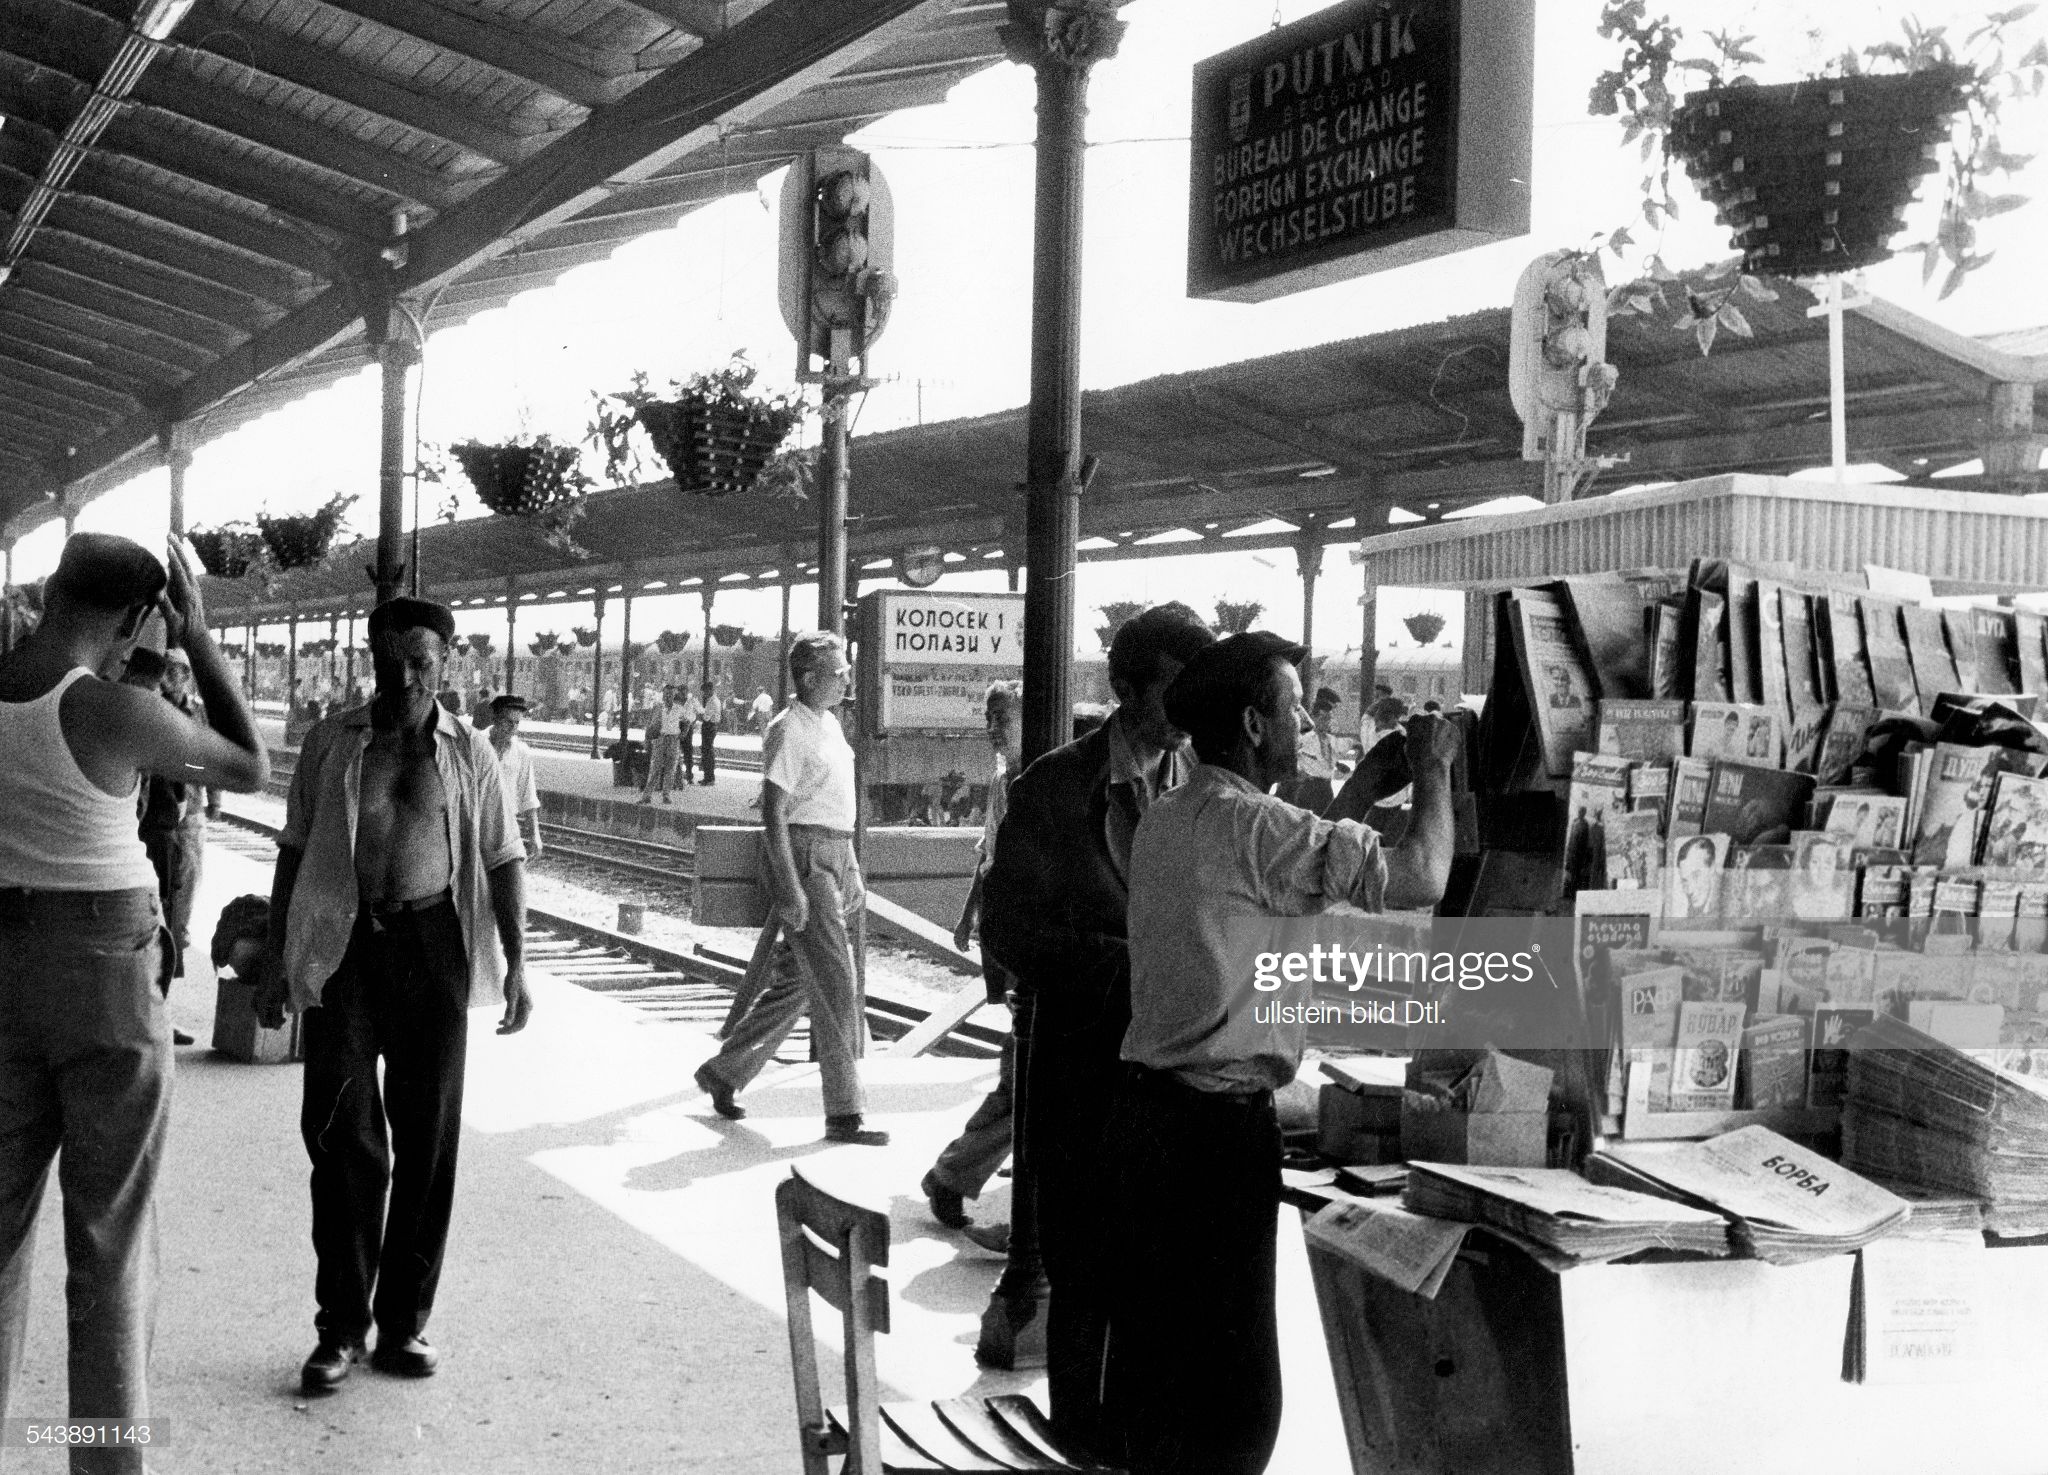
x: 399, y: 902
x: 1195, y: 1361
x: 515, y: 766
x: 85, y: 1046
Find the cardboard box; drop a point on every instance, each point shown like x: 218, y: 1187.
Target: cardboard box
x: 1356, y: 1128
x: 237, y: 1035
x: 1491, y: 1111
x: 1496, y: 1139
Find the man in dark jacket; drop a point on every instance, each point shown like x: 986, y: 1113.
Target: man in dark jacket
x: 1053, y: 915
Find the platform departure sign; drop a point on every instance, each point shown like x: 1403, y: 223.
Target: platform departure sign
x: 1365, y: 136
x: 927, y: 659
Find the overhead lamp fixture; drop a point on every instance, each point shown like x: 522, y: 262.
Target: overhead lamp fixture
x: 156, y: 19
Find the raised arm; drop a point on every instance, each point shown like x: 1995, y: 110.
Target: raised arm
x: 1420, y: 866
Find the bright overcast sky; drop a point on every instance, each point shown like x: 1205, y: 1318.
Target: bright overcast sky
x: 958, y: 340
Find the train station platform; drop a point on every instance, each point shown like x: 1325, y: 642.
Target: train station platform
x: 612, y: 1300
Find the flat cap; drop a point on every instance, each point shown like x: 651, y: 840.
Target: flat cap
x: 106, y: 572
x: 1226, y: 677
x: 1325, y: 699
x: 407, y: 613
x: 507, y: 703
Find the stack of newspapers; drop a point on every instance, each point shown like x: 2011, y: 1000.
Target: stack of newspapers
x: 1923, y: 1112
x: 1559, y: 1217
x: 1784, y: 1203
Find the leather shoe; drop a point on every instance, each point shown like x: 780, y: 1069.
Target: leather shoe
x: 720, y: 1094
x: 994, y: 1238
x: 848, y: 1130
x: 411, y: 1358
x: 946, y: 1205
x: 326, y: 1369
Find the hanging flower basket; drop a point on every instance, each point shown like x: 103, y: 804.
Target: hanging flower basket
x: 1815, y: 177
x: 717, y: 434
x: 226, y: 552
x: 715, y: 447
x: 521, y: 481
x: 302, y: 540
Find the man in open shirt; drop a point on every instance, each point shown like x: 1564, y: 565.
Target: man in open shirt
x: 399, y: 902
x: 1195, y: 1349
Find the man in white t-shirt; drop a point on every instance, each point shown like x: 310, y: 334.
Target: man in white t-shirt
x: 762, y: 709
x: 515, y: 763
x: 807, y: 807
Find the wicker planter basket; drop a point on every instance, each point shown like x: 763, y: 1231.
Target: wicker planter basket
x: 226, y: 553
x: 713, y: 448
x: 520, y: 481
x: 1814, y: 177
x: 302, y: 540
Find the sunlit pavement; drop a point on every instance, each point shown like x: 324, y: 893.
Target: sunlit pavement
x: 612, y: 1299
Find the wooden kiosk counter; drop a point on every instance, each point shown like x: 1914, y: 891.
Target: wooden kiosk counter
x: 1686, y: 1367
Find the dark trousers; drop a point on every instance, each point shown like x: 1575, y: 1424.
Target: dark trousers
x: 1070, y: 1080
x: 708, y: 741
x: 1196, y: 1370
x: 402, y: 993
x: 177, y: 856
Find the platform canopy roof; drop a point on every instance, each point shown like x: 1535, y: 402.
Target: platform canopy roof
x: 197, y: 199
x: 1321, y: 445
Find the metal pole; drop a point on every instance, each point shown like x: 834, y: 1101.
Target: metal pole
x: 782, y: 663
x: 291, y: 665
x: 708, y: 593
x: 625, y: 659
x: 1308, y: 559
x: 395, y: 358
x: 832, y: 501
x: 597, y: 674
x: 176, y: 440
x: 1838, y: 416
x: 1060, y: 42
x: 511, y: 633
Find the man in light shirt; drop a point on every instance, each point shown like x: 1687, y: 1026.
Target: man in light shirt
x: 807, y: 809
x: 663, y: 725
x: 1195, y: 1348
x: 711, y: 713
x: 762, y: 709
x: 515, y: 764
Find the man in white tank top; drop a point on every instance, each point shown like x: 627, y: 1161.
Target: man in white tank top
x: 85, y: 1046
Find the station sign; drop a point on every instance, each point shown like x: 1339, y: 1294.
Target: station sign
x: 927, y: 659
x: 1366, y: 136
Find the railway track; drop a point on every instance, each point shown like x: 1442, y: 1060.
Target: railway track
x: 691, y: 988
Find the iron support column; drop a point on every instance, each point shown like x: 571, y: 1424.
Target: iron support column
x: 176, y: 442
x: 597, y: 675
x: 832, y: 498
x: 1060, y: 41
x: 395, y: 358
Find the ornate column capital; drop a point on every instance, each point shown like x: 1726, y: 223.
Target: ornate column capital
x: 1073, y: 34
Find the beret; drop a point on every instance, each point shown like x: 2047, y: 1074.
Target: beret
x: 407, y: 613
x: 1325, y: 697
x: 1226, y: 676
x: 105, y: 572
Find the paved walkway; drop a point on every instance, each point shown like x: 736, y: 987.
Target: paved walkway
x: 612, y: 1300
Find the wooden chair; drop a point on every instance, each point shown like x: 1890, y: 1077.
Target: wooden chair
x: 832, y: 1247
